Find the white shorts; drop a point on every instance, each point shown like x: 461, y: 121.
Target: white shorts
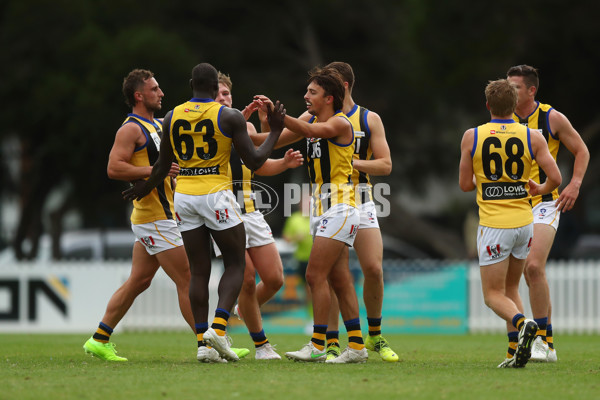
x: 368, y: 216
x: 546, y: 213
x: 258, y: 232
x: 158, y: 236
x: 495, y: 245
x: 219, y: 211
x: 340, y: 222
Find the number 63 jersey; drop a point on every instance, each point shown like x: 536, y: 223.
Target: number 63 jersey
x: 502, y: 159
x: 200, y: 147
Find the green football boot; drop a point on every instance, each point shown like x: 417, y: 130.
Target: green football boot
x: 333, y: 352
x: 241, y: 353
x: 381, y: 346
x: 104, y: 351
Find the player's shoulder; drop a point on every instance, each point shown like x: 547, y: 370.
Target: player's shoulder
x: 306, y: 116
x: 130, y: 127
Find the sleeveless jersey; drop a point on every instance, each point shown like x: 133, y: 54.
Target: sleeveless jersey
x: 330, y: 170
x: 242, y: 183
x: 502, y: 159
x: 362, y: 151
x: 201, y: 148
x: 158, y: 204
x: 538, y: 120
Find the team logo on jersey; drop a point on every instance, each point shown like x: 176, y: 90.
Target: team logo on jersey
x: 503, y: 127
x: 494, y: 251
x: 148, y: 241
x: 323, y: 225
x: 370, y: 217
x: 222, y: 215
x: 268, y: 229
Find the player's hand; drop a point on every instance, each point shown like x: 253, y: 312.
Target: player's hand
x: 250, y: 109
x: 534, y: 188
x: 137, y: 190
x: 276, y: 116
x: 174, y: 171
x: 293, y: 158
x: 566, y: 200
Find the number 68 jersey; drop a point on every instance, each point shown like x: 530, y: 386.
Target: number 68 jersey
x: 502, y: 159
x: 200, y: 147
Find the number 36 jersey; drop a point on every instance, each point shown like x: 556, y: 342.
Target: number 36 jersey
x: 201, y: 148
x: 330, y: 171
x: 502, y: 159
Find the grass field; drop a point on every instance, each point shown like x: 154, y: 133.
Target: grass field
x: 163, y: 366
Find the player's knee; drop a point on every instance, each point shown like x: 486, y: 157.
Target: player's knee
x: 487, y: 299
x: 311, y: 278
x: 274, y: 281
x: 249, y: 283
x: 534, y: 271
x: 142, y: 284
x: 373, y: 272
x: 490, y: 294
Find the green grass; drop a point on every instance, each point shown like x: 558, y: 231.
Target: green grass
x: 163, y: 366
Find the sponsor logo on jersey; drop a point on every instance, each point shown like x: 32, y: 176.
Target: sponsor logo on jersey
x: 503, y: 191
x: 494, y: 251
x: 197, y: 171
x: 353, y: 230
x: 148, y: 241
x: 222, y: 215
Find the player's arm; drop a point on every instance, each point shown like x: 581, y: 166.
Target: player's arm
x: 561, y: 127
x: 127, y: 139
x: 547, y: 163
x: 163, y: 166
x: 234, y: 124
x: 291, y: 159
x: 337, y: 129
x: 465, y: 169
x: 381, y: 162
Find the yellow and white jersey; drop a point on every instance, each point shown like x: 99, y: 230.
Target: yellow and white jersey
x: 539, y: 120
x: 502, y: 159
x: 330, y: 170
x: 200, y: 147
x: 362, y: 151
x: 158, y: 205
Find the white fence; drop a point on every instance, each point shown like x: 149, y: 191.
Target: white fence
x: 574, y: 292
x: 71, y: 297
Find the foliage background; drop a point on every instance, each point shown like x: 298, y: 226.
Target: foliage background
x: 421, y: 64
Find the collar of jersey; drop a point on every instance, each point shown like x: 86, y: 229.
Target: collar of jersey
x: 503, y: 121
x: 197, y: 100
x: 142, y: 118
